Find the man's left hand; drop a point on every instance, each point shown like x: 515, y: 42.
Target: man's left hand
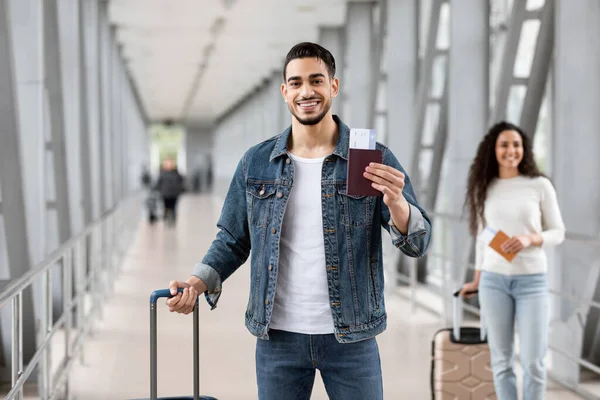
x: 388, y: 181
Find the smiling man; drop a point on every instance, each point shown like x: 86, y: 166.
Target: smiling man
x: 316, y: 290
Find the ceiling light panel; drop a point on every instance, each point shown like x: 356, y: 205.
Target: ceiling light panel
x: 165, y: 13
x: 166, y: 41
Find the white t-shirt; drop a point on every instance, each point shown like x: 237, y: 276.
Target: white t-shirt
x: 302, y: 296
x: 521, y: 206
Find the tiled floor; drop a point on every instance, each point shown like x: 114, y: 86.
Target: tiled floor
x: 117, y: 356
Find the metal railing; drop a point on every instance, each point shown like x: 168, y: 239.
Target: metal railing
x: 414, y: 286
x: 87, y: 265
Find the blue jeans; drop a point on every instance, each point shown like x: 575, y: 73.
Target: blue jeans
x: 286, y: 364
x: 522, y: 299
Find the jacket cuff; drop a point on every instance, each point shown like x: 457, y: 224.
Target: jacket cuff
x: 416, y: 223
x: 213, y: 282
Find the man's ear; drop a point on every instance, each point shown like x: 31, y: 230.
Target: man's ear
x: 284, y: 92
x: 335, y: 87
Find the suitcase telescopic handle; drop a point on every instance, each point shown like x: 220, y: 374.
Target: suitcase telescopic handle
x: 457, y: 311
x: 157, y: 294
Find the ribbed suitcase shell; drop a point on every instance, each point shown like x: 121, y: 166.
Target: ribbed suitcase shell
x: 460, y: 362
x: 461, y: 371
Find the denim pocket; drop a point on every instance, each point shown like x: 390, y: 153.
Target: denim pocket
x: 355, y: 209
x: 259, y: 196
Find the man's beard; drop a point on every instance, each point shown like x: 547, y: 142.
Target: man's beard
x: 312, y: 120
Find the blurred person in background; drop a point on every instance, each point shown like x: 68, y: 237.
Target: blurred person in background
x: 170, y: 185
x: 506, y: 191
x: 150, y: 195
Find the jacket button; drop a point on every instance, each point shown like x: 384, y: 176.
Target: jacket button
x: 273, y: 230
x: 279, y: 195
x: 270, y: 267
x: 267, y: 302
x: 261, y: 192
x: 287, y: 161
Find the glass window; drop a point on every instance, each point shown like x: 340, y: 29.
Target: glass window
x: 526, y: 50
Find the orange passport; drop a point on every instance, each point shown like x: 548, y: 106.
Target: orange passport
x: 497, y: 241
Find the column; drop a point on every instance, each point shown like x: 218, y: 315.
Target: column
x: 107, y: 112
x: 102, y: 109
x: 285, y: 117
x: 115, y: 132
x: 576, y: 166
x: 62, y: 83
x: 21, y: 157
x: 12, y: 198
x: 540, y: 67
x: 84, y: 132
x: 359, y: 76
x: 332, y: 38
x: 468, y: 99
x: 275, y: 100
x: 57, y: 61
x: 401, y: 68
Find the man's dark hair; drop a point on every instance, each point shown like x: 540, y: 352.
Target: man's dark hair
x: 310, y: 50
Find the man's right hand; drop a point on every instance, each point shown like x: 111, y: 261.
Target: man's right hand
x: 182, y: 303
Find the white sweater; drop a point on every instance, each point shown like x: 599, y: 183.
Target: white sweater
x: 521, y: 206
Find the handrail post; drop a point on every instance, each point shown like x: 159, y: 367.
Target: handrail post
x: 102, y: 268
x: 46, y: 328
x: 17, y: 341
x: 67, y: 307
x: 49, y: 324
x: 110, y: 252
x: 93, y: 278
x: 96, y: 270
x: 113, y: 252
x: 80, y: 267
x: 109, y: 257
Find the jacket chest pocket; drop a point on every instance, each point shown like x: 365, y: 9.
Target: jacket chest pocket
x: 355, y: 210
x: 259, y: 198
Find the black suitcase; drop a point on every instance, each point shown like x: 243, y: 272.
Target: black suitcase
x: 157, y: 294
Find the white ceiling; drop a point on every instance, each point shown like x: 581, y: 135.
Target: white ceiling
x: 193, y: 59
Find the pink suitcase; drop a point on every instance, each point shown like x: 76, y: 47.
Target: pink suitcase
x: 460, y: 366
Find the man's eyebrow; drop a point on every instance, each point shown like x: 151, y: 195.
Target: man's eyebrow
x: 311, y: 76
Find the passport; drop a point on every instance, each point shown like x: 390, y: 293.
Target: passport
x: 358, y: 160
x: 495, y: 238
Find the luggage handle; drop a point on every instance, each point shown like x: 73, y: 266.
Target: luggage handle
x: 458, y: 316
x: 157, y: 294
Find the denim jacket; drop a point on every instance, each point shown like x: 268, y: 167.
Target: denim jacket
x: 250, y: 226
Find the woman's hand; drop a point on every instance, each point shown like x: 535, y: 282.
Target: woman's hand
x: 469, y: 289
x: 516, y: 244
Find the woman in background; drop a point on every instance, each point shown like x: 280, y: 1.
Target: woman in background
x: 506, y: 191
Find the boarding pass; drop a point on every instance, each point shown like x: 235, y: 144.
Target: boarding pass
x: 363, y: 139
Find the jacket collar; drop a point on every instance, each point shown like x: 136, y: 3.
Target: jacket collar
x: 341, y: 148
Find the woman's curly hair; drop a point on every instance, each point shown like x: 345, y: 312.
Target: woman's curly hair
x: 484, y: 170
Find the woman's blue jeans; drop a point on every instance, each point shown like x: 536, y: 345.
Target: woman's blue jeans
x: 522, y: 300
